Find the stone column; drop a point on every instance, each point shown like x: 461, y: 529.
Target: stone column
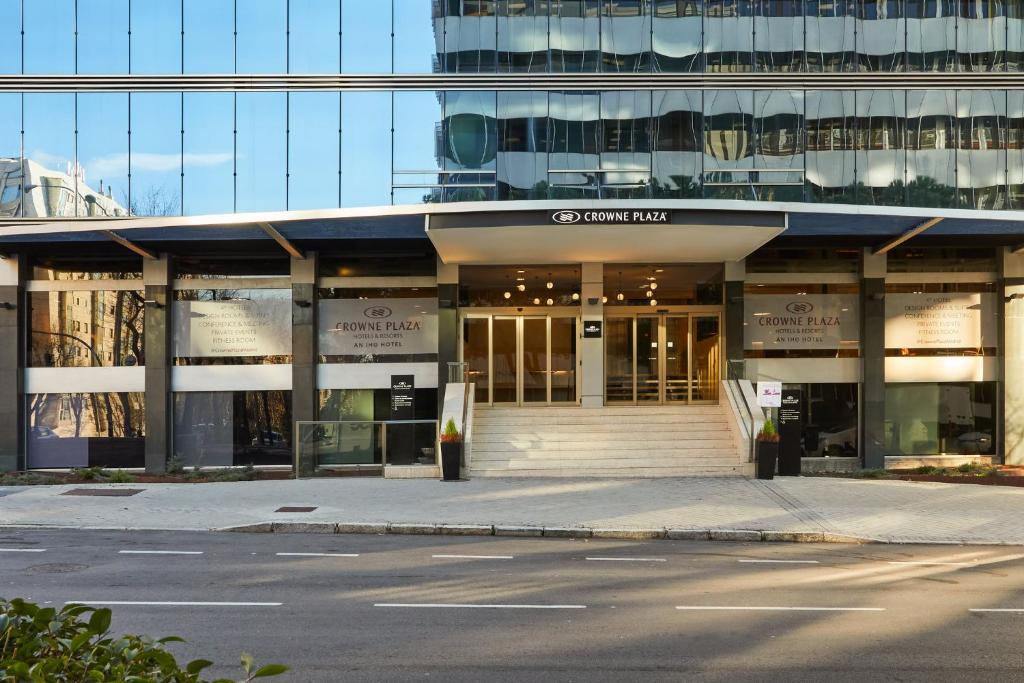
x: 305, y: 349
x: 157, y: 278
x: 13, y: 318
x: 591, y: 351
x: 447, y: 325
x: 735, y: 275
x: 872, y: 345
x: 1010, y: 425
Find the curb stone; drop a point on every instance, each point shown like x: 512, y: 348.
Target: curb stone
x: 465, y: 530
x: 567, y: 532
x: 303, y: 528
x: 522, y: 531
x: 688, y: 535
x: 413, y: 529
x: 630, y: 534
x: 735, y: 535
x: 361, y: 528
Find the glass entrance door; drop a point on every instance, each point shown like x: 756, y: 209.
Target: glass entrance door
x: 662, y: 358
x: 521, y: 359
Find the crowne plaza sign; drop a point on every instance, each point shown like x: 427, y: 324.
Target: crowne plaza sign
x: 610, y: 217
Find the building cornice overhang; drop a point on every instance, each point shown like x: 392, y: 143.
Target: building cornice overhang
x: 511, y: 81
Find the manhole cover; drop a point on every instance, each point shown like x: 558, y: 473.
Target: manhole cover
x: 57, y: 568
x: 102, y: 492
x: 295, y: 509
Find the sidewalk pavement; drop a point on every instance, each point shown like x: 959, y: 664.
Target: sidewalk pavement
x: 807, y: 509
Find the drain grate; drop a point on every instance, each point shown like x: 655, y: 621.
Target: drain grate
x: 102, y: 492
x: 295, y: 509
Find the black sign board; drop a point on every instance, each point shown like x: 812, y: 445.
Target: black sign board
x: 610, y: 217
x: 592, y: 329
x: 791, y: 426
x: 403, y: 397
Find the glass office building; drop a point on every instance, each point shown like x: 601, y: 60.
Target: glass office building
x: 825, y: 193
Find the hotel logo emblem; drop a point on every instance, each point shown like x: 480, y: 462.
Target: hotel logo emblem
x: 566, y: 217
x: 799, y: 307
x: 377, y: 312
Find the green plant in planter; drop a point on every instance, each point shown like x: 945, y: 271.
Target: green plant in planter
x: 450, y: 433
x: 768, y: 432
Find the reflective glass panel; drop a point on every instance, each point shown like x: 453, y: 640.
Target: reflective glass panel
x: 103, y: 153
x: 625, y: 144
x: 314, y: 41
x: 830, y: 162
x: 418, y: 137
x: 677, y: 138
x: 313, y: 150
x: 261, y: 46
x: 677, y: 358
x: 535, y: 360
x: 476, y: 342
x: 419, y: 37
x: 209, y: 36
x: 982, y: 155
x: 881, y: 35
x: 470, y: 139
x: 830, y: 31
x: 155, y: 161
x: 940, y: 418
x: 981, y: 35
x: 209, y: 158
x: 103, y: 37
x: 575, y: 143
x: 86, y: 430
x: 575, y: 35
x: 881, y: 157
x: 261, y: 160
x: 366, y: 37
x: 1015, y: 147
x: 677, y: 39
x: 779, y: 150
x: 51, y: 181
x: 707, y: 359
x: 156, y: 37
x: 366, y: 149
x: 522, y: 36
x: 563, y: 359
x: 10, y: 155
x: 931, y: 35
x: 86, y: 329
x: 729, y: 35
x: 10, y: 37
x: 618, y: 361
x: 505, y: 361
x: 49, y: 39
x: 232, y: 428
x: 728, y: 143
x: 626, y: 36
x: 931, y: 148
x: 648, y: 360
x: 522, y: 162
x: 779, y: 35
x: 470, y: 38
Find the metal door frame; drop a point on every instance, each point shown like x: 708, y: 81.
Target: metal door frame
x: 662, y: 314
x: 519, y: 316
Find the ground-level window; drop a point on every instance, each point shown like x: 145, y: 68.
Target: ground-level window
x: 364, y: 439
x: 225, y: 428
x: 830, y: 419
x: 955, y: 418
x: 86, y: 430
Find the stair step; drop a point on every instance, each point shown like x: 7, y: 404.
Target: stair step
x: 636, y: 472
x: 606, y: 458
x: 584, y: 425
x: 520, y: 445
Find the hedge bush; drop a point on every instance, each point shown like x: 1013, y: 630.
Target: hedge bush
x: 74, y: 644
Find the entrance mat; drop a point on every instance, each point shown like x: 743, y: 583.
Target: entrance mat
x: 295, y: 509
x: 112, y: 493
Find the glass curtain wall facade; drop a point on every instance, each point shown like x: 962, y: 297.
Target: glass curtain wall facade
x: 192, y: 153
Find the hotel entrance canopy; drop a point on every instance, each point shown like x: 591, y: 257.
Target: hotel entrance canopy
x: 609, y: 231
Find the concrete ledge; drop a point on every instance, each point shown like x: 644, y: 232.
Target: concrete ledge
x: 303, y: 528
x: 735, y: 535
x: 465, y: 530
x: 521, y: 531
x: 413, y: 529
x: 792, y: 537
x: 688, y: 535
x: 361, y: 528
x: 630, y: 534
x: 567, y: 532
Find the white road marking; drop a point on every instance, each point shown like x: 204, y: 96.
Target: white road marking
x: 626, y: 559
x: 996, y: 609
x: 468, y: 606
x: 473, y: 557
x: 22, y: 550
x: 160, y: 552
x: 925, y: 563
x: 779, y: 609
x: 173, y: 603
x: 778, y: 561
x: 317, y: 554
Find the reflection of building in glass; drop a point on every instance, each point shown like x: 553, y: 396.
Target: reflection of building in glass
x: 31, y: 190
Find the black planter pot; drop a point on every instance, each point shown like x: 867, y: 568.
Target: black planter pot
x: 767, y: 456
x: 451, y: 460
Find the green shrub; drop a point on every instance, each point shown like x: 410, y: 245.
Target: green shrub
x: 926, y: 469
x: 175, y: 465
x: 120, y: 477
x: 872, y: 474
x: 44, y: 645
x: 89, y: 473
x: 28, y: 479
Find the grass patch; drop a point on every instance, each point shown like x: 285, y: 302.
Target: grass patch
x: 871, y: 474
x: 28, y: 479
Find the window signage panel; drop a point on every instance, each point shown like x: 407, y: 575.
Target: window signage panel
x: 610, y: 217
x: 354, y: 327
x: 211, y: 329
x: 769, y: 394
x: 815, y: 321
x: 936, y: 321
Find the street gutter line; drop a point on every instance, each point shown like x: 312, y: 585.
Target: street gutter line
x: 696, y: 608
x: 160, y: 552
x: 779, y: 561
x: 22, y: 550
x: 925, y: 563
x: 626, y: 559
x: 468, y: 606
x: 317, y: 554
x: 173, y: 603
x: 473, y: 557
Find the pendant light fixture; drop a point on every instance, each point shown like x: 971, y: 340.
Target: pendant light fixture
x: 620, y: 296
x: 550, y: 284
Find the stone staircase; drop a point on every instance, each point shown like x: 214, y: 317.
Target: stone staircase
x: 613, y: 441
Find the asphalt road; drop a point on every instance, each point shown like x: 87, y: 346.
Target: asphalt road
x: 398, y: 608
